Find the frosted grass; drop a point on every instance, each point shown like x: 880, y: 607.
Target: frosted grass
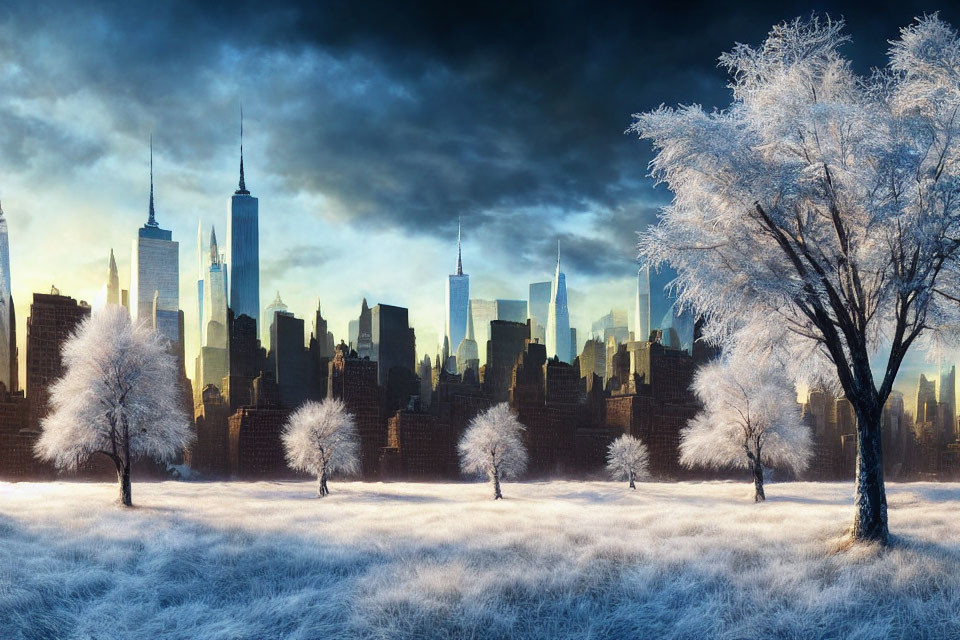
x: 397, y: 560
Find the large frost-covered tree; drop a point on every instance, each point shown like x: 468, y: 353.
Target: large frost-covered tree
x: 627, y: 457
x: 119, y: 397
x: 321, y: 438
x: 750, y: 419
x: 820, y: 212
x: 492, y: 445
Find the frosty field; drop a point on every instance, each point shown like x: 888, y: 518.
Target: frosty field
x: 397, y: 560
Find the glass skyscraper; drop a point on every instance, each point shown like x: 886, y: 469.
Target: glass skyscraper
x: 155, y: 275
x: 537, y: 309
x: 457, y: 300
x: 558, y: 317
x: 243, y: 250
x: 641, y: 321
x: 8, y: 361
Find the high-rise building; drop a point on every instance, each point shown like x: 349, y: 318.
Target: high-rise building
x: 52, y: 320
x: 538, y: 309
x: 641, y: 321
x: 468, y: 356
x: 392, y: 341
x: 275, y: 307
x: 948, y: 400
x: 155, y: 275
x: 926, y: 400
x: 243, y: 249
x: 8, y: 324
x: 365, y: 332
x: 457, y: 301
x: 558, y: 317
x: 573, y: 344
x: 507, y: 341
x: 201, y: 276
x: 213, y: 363
x: 483, y: 312
x: 354, y: 381
x: 323, y: 337
x: 291, y: 362
x: 113, y: 281
x: 353, y: 333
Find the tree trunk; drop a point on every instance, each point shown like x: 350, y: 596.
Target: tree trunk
x: 322, y: 484
x: 126, y: 490
x: 758, y: 495
x: 495, y: 479
x: 632, y: 485
x: 870, y: 521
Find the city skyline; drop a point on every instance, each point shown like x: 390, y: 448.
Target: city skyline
x: 558, y: 167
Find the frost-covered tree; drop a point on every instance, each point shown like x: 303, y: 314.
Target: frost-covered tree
x: 627, y: 457
x: 321, y: 438
x: 492, y: 445
x: 820, y: 212
x: 119, y: 397
x: 750, y: 420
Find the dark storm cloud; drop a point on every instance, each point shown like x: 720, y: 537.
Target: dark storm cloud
x: 407, y: 115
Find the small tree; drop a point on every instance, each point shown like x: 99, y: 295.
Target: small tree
x: 492, y: 445
x: 750, y: 419
x: 118, y: 398
x: 321, y: 438
x: 627, y: 457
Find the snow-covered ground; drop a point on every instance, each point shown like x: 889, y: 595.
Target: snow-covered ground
x: 558, y: 559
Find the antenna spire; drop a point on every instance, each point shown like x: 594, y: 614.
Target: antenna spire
x: 459, y: 254
x: 243, y: 185
x: 152, y: 220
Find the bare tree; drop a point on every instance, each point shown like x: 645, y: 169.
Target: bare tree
x: 321, y: 438
x: 118, y: 397
x: 750, y: 419
x: 819, y: 213
x: 627, y: 457
x: 492, y: 445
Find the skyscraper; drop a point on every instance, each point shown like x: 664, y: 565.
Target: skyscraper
x: 201, y: 276
x: 113, y: 281
x: 641, y: 320
x: 155, y: 275
x: 537, y: 309
x: 392, y: 340
x: 483, y: 312
x: 277, y: 306
x: 365, y: 332
x: 558, y: 317
x: 213, y: 364
x: 243, y: 250
x: 948, y: 399
x: 468, y: 356
x: 457, y: 299
x: 8, y: 340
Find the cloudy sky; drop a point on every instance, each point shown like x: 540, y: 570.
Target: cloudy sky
x: 370, y: 127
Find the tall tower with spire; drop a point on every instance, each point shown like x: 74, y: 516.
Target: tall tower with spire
x: 155, y: 274
x: 558, y: 316
x: 468, y: 353
x: 113, y: 281
x: 8, y: 325
x: 243, y: 250
x: 641, y: 321
x: 213, y: 363
x: 456, y: 306
x: 201, y: 276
